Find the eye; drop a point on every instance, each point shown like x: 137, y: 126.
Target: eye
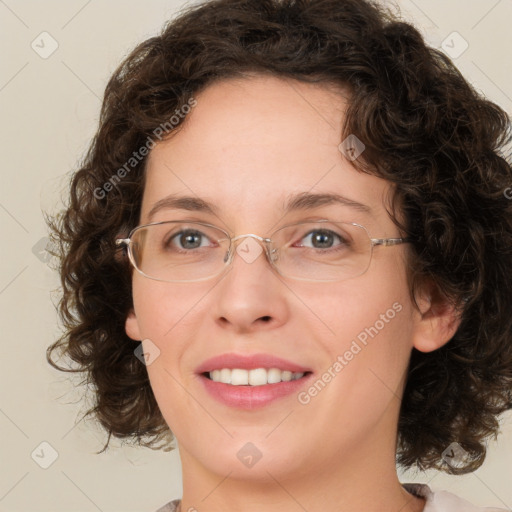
x: 322, y: 239
x: 188, y: 239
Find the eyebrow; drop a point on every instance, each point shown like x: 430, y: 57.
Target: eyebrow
x: 301, y: 201
x: 306, y: 201
x: 188, y: 203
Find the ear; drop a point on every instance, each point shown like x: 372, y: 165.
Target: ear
x: 436, y: 320
x: 131, y: 326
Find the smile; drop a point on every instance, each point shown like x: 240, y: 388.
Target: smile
x: 252, y: 381
x: 254, y: 377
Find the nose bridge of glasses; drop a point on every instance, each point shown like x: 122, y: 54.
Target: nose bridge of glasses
x: 264, y: 242
x: 259, y: 238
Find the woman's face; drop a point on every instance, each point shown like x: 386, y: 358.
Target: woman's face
x: 247, y: 148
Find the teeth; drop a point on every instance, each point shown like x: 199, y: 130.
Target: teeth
x: 256, y: 377
x: 239, y: 377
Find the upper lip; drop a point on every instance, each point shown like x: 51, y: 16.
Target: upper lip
x: 249, y: 362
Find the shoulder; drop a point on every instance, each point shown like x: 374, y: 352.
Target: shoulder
x: 170, y: 507
x: 444, y: 501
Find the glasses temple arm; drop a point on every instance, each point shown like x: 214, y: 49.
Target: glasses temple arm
x: 390, y: 241
x: 122, y: 241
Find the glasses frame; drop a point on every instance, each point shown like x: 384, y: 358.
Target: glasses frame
x: 270, y: 253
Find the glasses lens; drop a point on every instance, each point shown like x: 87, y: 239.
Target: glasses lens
x: 179, y: 251
x: 322, y: 251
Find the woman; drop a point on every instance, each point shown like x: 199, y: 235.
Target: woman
x: 289, y: 250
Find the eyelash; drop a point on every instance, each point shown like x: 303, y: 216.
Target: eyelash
x: 342, y: 241
x: 327, y: 232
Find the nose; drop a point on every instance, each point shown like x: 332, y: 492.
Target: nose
x: 250, y: 296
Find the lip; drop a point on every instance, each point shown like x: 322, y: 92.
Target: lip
x: 249, y: 362
x: 251, y: 397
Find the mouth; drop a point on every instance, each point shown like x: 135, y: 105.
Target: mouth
x: 252, y: 381
x: 254, y: 377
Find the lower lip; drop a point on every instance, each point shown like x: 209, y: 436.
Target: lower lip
x: 252, y: 397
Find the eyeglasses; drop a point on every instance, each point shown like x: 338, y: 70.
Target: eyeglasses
x: 322, y: 250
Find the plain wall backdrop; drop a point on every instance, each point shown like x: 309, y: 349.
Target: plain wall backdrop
x: 56, y: 59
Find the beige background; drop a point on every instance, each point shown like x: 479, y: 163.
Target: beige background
x: 49, y: 110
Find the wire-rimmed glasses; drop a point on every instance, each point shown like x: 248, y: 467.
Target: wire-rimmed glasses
x: 321, y: 250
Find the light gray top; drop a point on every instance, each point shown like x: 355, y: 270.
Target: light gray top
x: 170, y: 507
x: 438, y: 501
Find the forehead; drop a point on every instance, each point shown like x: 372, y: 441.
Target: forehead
x: 250, y: 144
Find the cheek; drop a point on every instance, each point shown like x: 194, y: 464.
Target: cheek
x: 161, y: 318
x: 367, y: 356
x: 359, y: 309
x: 161, y: 307
x: 169, y: 316
x: 367, y: 321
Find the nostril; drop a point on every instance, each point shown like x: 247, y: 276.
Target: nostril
x: 266, y: 318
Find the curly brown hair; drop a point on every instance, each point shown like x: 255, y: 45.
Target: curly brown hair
x: 426, y: 131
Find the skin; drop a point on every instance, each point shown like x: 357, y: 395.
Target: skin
x: 245, y: 147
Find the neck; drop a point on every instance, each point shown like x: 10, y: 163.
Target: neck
x: 361, y: 479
